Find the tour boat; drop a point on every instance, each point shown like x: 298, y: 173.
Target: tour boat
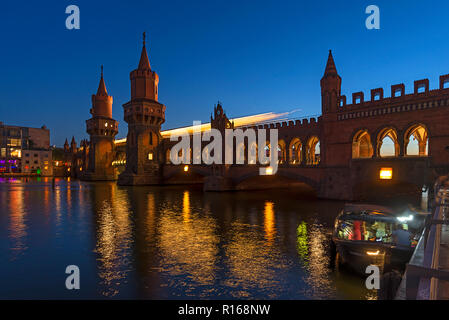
x: 369, y: 235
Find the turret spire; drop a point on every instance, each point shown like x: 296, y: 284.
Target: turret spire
x: 102, y: 87
x: 330, y: 87
x: 144, y: 63
x: 331, y: 69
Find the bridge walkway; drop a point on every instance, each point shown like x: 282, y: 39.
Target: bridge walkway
x: 427, y: 274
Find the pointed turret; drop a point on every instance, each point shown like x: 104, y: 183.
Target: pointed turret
x: 73, y: 145
x: 144, y: 81
x: 144, y: 116
x: 66, y: 145
x: 102, y: 87
x: 98, y: 154
x: 144, y: 63
x: 331, y: 69
x: 101, y: 102
x: 330, y: 86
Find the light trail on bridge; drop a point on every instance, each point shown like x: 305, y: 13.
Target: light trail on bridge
x: 238, y: 122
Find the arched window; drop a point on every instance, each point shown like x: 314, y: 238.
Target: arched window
x: 361, y: 145
x: 387, y: 143
x: 295, y: 151
x: 313, y: 151
x: 416, y: 141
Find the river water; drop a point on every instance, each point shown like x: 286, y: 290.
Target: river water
x: 173, y: 242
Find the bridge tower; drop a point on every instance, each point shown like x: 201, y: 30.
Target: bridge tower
x: 102, y: 130
x: 336, y: 180
x: 144, y: 115
x: 330, y: 87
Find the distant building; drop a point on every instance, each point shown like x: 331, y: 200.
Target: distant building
x: 25, y: 150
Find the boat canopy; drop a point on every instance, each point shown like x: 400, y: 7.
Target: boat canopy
x: 368, y: 212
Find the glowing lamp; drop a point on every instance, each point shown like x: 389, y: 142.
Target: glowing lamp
x: 268, y: 171
x: 386, y: 174
x: 186, y: 168
x: 373, y: 253
x: 150, y: 156
x: 405, y: 219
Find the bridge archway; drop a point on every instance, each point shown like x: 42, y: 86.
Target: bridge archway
x: 416, y: 141
x: 313, y: 151
x: 361, y: 145
x: 295, y: 151
x: 176, y: 174
x: 282, y: 152
x: 387, y: 143
x: 283, y: 178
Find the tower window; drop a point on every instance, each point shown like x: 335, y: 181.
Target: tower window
x: 150, y: 156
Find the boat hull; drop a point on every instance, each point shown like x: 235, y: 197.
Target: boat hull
x: 359, y: 255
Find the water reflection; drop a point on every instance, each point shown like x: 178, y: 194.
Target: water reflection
x: 186, y: 206
x: 302, y: 244
x: 269, y: 222
x: 17, y: 222
x: 114, y: 238
x: 252, y: 264
x: 188, y: 244
x: 318, y: 262
x: 172, y: 242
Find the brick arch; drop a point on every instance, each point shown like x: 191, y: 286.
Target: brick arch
x: 407, y: 132
x: 282, y: 172
x: 370, y: 131
x: 308, y: 153
x: 283, y: 146
x: 295, y: 159
x: 178, y: 170
x: 395, y: 135
x: 356, y: 140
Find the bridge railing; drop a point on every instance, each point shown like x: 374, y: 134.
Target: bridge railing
x: 426, y: 268
x: 281, y: 120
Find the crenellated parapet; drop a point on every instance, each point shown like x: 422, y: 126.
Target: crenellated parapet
x: 421, y: 98
x: 297, y: 124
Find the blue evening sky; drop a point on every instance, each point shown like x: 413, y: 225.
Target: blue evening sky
x: 253, y: 56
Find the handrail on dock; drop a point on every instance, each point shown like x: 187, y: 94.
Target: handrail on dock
x: 424, y: 272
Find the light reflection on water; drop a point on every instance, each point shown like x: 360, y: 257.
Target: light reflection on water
x: 17, y: 223
x: 170, y: 242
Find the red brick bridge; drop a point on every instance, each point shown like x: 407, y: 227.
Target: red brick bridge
x: 379, y: 145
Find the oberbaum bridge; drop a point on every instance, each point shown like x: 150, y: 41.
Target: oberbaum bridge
x: 340, y: 154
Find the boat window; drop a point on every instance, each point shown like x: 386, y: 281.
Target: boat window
x: 357, y: 230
